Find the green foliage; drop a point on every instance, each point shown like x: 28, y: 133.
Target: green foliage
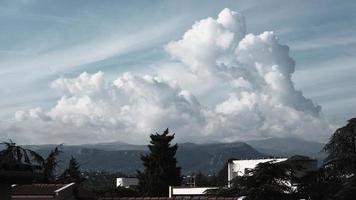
x: 318, y: 185
x: 340, y: 164
x: 72, y: 173
x: 267, y: 181
x: 336, y: 180
x: 14, y: 156
x: 50, y: 165
x: 160, y: 166
x: 100, y: 179
x: 341, y: 149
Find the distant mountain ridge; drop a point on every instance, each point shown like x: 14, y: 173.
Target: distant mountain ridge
x: 207, y: 158
x: 287, y: 147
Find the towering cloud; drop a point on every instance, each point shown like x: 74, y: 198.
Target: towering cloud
x: 263, y: 101
x: 254, y: 71
x: 209, y: 43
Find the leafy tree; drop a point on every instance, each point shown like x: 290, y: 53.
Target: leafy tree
x: 72, y: 173
x: 14, y: 156
x: 340, y: 164
x: 160, y: 166
x: 336, y: 180
x: 317, y: 185
x: 266, y: 181
x: 15, y: 159
x: 341, y: 149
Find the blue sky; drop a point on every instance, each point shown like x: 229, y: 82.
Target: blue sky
x: 42, y: 41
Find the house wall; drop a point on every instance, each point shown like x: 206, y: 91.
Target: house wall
x: 126, y: 182
x: 188, y: 191
x: 238, y: 167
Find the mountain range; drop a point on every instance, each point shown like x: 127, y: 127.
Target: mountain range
x: 207, y: 158
x: 287, y: 147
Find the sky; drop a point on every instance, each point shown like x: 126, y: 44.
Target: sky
x: 219, y: 71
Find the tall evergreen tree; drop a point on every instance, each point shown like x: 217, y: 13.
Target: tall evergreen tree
x: 160, y: 166
x: 72, y: 173
x: 50, y: 165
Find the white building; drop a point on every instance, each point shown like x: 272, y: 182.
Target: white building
x: 188, y: 191
x: 126, y: 182
x: 239, y: 167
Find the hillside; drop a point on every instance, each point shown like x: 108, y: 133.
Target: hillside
x: 207, y: 158
x: 288, y: 147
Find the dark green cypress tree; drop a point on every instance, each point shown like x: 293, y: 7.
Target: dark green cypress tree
x: 160, y: 166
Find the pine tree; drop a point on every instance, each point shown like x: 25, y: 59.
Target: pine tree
x: 50, y: 165
x: 160, y: 165
x: 72, y: 173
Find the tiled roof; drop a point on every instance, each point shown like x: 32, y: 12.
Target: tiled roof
x: 167, y: 198
x: 37, y: 189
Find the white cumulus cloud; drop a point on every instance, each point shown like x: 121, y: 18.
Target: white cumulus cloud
x: 254, y: 72
x: 128, y: 109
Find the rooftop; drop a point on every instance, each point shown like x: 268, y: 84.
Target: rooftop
x: 39, y: 189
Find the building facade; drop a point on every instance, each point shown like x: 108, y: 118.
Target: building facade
x: 240, y: 167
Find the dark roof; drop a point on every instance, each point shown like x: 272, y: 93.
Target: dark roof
x: 37, y: 189
x: 16, y: 176
x: 167, y: 198
x: 84, y: 194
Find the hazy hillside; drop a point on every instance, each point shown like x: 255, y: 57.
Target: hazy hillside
x: 208, y: 158
x: 288, y: 147
x: 212, y: 157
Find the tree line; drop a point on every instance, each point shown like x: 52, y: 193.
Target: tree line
x: 334, y: 180
x: 17, y: 158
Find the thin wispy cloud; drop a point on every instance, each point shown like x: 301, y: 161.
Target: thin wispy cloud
x: 191, y: 55
x: 325, y: 41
